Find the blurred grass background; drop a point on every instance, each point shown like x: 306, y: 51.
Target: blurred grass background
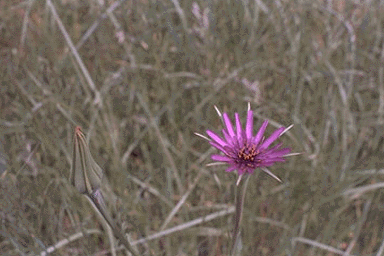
x: 142, y: 76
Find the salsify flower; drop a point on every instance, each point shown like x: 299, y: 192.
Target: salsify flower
x: 242, y: 150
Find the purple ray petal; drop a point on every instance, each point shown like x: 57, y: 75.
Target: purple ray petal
x: 241, y: 171
x: 231, y: 168
x: 249, y: 125
x: 221, y: 158
x: 260, y: 133
x: 273, y: 160
x: 271, y: 138
x: 228, y: 125
x: 250, y: 170
x: 216, y: 138
x: 239, y: 131
x: 219, y: 147
x: 230, y: 140
x: 279, y: 153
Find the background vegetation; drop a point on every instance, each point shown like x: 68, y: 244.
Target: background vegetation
x: 141, y: 77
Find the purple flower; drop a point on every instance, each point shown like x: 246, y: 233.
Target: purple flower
x: 245, y: 152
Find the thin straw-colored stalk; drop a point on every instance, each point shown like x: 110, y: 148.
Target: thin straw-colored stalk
x: 25, y: 23
x: 66, y: 241
x: 317, y: 244
x: 186, y: 225
x: 181, y: 202
x: 68, y: 39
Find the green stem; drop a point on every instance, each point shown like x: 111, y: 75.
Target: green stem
x: 98, y: 203
x: 240, y: 195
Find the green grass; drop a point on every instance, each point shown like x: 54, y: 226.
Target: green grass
x: 141, y: 97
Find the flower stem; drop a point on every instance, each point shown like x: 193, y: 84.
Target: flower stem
x: 240, y: 195
x: 98, y: 203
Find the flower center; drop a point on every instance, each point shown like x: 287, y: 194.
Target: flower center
x: 247, y: 153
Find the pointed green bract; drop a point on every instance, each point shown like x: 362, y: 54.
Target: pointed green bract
x: 86, y: 174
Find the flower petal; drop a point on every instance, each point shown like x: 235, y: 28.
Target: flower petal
x: 279, y: 153
x: 231, y: 168
x: 221, y: 158
x: 228, y: 125
x: 260, y: 133
x: 250, y: 170
x: 228, y: 138
x: 272, y: 138
x: 241, y: 171
x: 274, y: 148
x: 273, y: 160
x: 249, y: 125
x: 216, y: 145
x: 216, y: 138
x: 239, y: 131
